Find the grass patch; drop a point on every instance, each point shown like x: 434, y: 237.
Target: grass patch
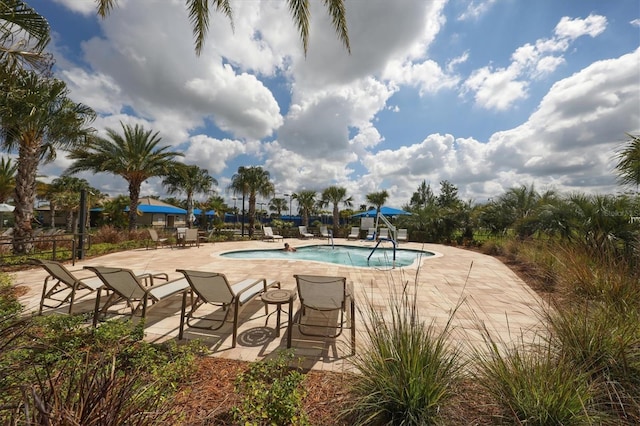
x: 408, y: 369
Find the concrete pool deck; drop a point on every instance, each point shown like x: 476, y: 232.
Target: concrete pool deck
x: 486, y: 293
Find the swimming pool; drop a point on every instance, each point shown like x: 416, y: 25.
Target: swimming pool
x: 340, y: 255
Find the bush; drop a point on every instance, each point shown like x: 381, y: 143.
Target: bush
x: 533, y: 387
x: 271, y: 393
x: 55, y: 370
x: 602, y: 342
x: 408, y: 370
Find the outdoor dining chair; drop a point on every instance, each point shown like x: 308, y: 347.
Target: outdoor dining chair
x: 325, y: 295
x: 214, y: 288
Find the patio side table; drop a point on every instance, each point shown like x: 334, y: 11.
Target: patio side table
x: 279, y: 297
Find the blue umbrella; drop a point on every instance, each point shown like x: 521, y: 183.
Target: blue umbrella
x: 386, y: 211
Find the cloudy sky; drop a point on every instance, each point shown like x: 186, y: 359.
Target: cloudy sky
x: 487, y: 94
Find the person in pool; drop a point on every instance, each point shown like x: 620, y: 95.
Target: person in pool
x: 287, y: 247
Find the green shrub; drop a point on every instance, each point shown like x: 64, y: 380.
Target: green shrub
x: 271, y: 393
x: 602, y: 342
x: 62, y: 372
x: 533, y: 387
x: 407, y: 371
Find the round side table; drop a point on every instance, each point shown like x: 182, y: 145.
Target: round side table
x: 279, y: 297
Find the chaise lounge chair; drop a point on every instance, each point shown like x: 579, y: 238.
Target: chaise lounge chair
x: 324, y: 232
x: 304, y: 233
x: 128, y: 287
x: 269, y: 235
x: 65, y: 286
x: 325, y: 295
x: 354, y: 234
x: 402, y: 235
x: 214, y: 288
x: 155, y: 239
x: 371, y: 234
x: 383, y: 233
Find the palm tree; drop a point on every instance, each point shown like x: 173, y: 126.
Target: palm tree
x: 23, y: 36
x: 335, y: 195
x: 628, y: 165
x: 7, y: 178
x: 378, y: 199
x: 199, y: 14
x: 251, y: 181
x: 307, y: 202
x: 134, y: 156
x: 190, y: 180
x: 64, y: 193
x: 36, y: 117
x: 278, y: 205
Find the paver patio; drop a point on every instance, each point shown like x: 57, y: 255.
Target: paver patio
x: 484, y: 290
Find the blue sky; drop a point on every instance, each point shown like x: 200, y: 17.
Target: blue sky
x: 485, y: 94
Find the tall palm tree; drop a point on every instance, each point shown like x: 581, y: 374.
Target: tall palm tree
x: 307, y: 202
x: 200, y: 11
x: 7, y: 178
x: 252, y: 181
x: 36, y: 118
x: 335, y: 195
x: 278, y: 205
x: 190, y: 180
x: 23, y: 35
x: 628, y: 166
x: 134, y: 155
x: 378, y: 199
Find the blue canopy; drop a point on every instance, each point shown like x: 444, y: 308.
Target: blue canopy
x: 198, y: 212
x: 149, y: 208
x: 386, y: 211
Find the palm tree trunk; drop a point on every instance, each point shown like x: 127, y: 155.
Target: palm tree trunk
x: 134, y: 195
x: 336, y: 218
x: 189, y: 209
x: 25, y: 193
x: 52, y: 210
x: 252, y: 213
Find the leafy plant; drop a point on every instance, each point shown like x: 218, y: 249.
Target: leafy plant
x: 55, y: 370
x: 271, y: 393
x: 408, y: 370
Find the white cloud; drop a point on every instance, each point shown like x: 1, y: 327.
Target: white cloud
x: 212, y: 154
x: 496, y: 89
x: 79, y: 6
x: 476, y: 9
x: 592, y: 25
x: 500, y: 88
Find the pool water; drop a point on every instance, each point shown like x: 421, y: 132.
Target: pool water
x: 340, y: 255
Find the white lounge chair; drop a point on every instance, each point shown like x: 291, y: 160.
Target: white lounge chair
x: 371, y: 234
x: 402, y: 235
x: 324, y: 295
x: 304, y: 233
x: 383, y: 233
x: 324, y: 232
x: 214, y: 288
x: 269, y: 235
x: 354, y: 234
x: 128, y: 287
